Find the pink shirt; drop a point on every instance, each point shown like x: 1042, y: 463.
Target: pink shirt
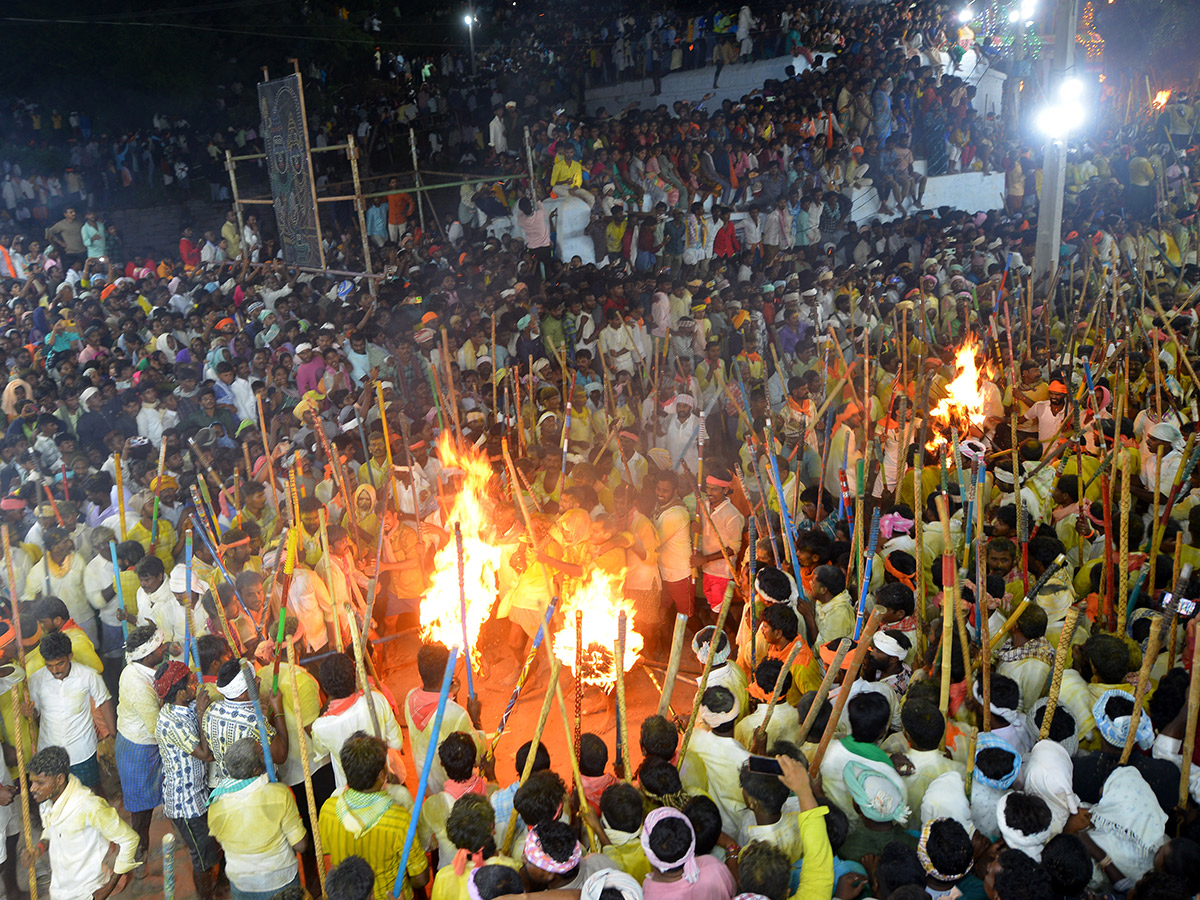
x: 308, y: 375
x: 714, y: 883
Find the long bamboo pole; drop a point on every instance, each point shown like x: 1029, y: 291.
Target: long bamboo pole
x: 302, y: 736
x: 18, y: 701
x: 843, y: 697
x: 1060, y: 663
x: 835, y: 666
x: 708, y: 664
x: 1142, y: 683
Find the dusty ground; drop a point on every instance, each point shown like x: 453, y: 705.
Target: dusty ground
x: 494, y: 688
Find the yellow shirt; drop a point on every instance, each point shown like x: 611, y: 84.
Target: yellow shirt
x: 380, y: 845
x: 569, y: 173
x: 164, y: 547
x: 291, y: 770
x: 449, y: 886
x: 82, y: 649
x: 629, y: 857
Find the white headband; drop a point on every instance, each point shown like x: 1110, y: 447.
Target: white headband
x: 714, y: 719
x: 236, y: 687
x: 143, y: 650
x: 885, y: 643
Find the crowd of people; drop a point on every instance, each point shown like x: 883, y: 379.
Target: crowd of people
x: 935, y: 519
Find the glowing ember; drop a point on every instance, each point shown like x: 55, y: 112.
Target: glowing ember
x: 963, y: 405
x: 1161, y: 99
x: 441, y: 618
x: 601, y: 599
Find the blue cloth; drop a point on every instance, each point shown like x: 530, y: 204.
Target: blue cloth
x: 88, y: 772
x: 140, y: 769
x: 260, y: 895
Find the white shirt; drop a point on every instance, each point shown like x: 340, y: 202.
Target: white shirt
x: 80, y: 827
x: 153, y: 421
x: 330, y: 732
x: 65, y: 709
x: 682, y: 441
x: 728, y: 522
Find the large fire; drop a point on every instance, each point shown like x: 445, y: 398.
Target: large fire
x: 601, y: 599
x: 963, y: 406
x: 1161, y: 98
x: 441, y: 618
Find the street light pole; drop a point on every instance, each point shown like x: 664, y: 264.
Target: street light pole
x: 1054, y: 171
x: 469, y: 18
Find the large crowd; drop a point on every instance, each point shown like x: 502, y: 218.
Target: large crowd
x: 931, y: 523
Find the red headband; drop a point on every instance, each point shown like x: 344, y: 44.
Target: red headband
x: 712, y: 479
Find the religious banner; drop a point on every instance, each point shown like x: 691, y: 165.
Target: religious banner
x: 286, y: 139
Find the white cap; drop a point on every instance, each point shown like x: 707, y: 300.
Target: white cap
x: 88, y: 394
x: 300, y: 348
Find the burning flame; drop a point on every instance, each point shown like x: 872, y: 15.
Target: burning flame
x: 441, y: 610
x: 962, y: 407
x: 1161, y: 98
x: 600, y: 597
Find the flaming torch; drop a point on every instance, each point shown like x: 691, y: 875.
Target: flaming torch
x: 470, y: 512
x: 963, y: 406
x: 600, y: 598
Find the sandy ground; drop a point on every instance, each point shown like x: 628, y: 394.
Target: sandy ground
x: 494, y: 687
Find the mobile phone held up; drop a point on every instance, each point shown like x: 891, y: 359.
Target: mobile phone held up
x: 764, y: 765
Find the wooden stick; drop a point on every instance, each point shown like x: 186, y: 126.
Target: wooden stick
x: 856, y: 661
x: 677, y: 637
x: 262, y: 421
x: 577, y: 738
x: 1189, y: 733
x: 120, y: 493
x: 1142, y: 683
x: 303, y: 738
x: 708, y: 664
x: 1060, y: 663
x: 797, y: 646
x: 1123, y: 550
x: 835, y: 666
x: 18, y: 701
x: 949, y: 604
x: 452, y: 395
x: 555, y: 668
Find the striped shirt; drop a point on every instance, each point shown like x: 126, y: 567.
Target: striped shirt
x: 185, y: 793
x: 224, y: 723
x: 380, y: 845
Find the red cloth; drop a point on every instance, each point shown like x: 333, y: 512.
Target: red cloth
x: 725, y: 242
x: 476, y: 784
x: 595, y: 785
x: 342, y: 704
x: 422, y: 705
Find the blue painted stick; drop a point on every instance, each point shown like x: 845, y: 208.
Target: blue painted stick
x: 423, y: 784
x: 187, y: 619
x: 872, y: 542
x: 783, y: 510
x: 220, y: 565
x: 516, y: 691
x: 112, y: 549
x: 252, y: 690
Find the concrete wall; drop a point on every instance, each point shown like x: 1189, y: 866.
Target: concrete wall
x: 970, y: 191
x: 739, y: 79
